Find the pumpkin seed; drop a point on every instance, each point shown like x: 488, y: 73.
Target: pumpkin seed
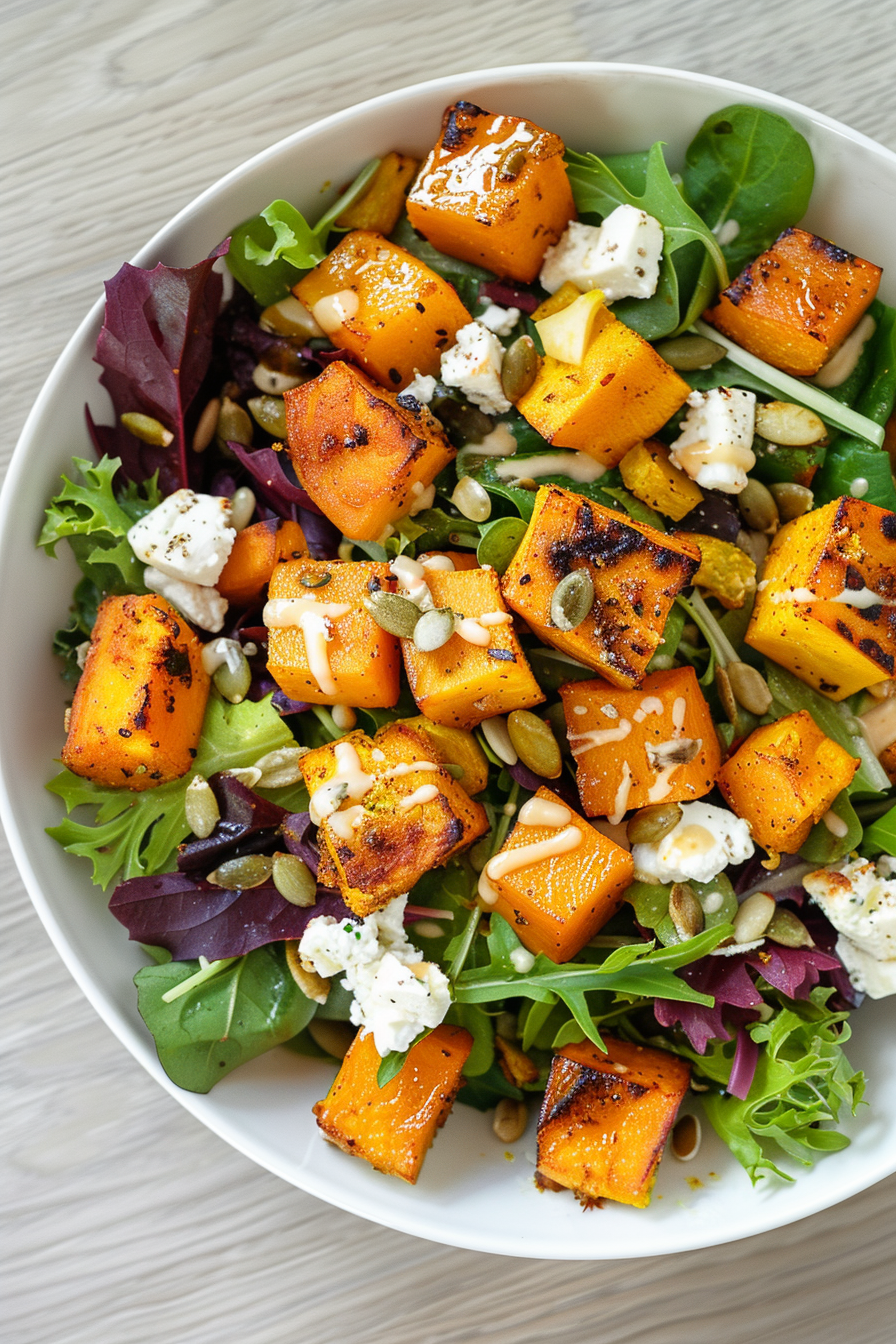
x: 246, y: 774
x: 234, y: 682
x: 251, y: 870
x: 513, y: 165
x: 519, y: 368
x: 472, y: 500
x: 786, y: 423
x: 511, y: 1117
x: 726, y: 694
x: 393, y: 613
x: 753, y: 917
x: 792, y: 500
x: 687, y: 353
x: 534, y: 743
x: 312, y: 985
x: 572, y: 600
x: 686, y: 1137
x: 788, y: 929
x: 749, y: 687
x: 334, y: 1037
x: 201, y: 807
x: 270, y: 413
x: 433, y: 629
x: 315, y: 580
x: 755, y: 545
x: 147, y: 428
x: 294, y: 880
x: 757, y: 507
x: 651, y: 824
x: 234, y: 424
x: 497, y: 735
x: 242, y: 507
x: 280, y: 768
x: 206, y: 426
x: 685, y: 911
x: 273, y: 382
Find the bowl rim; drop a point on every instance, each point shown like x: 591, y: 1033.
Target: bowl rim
x: 408, y: 1220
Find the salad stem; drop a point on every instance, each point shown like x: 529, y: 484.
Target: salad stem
x: 206, y: 970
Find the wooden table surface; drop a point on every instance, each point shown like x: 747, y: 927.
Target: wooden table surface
x: 126, y: 1221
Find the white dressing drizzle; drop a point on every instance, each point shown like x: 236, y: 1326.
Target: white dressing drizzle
x: 425, y: 794
x: 544, y: 812
x: 599, y: 737
x: 620, y: 802
x: 512, y: 860
x: 577, y: 466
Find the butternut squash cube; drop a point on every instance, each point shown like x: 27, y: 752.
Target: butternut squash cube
x: 569, y: 881
x: 493, y: 191
x: 402, y: 315
x: 826, y: 608
x: 363, y: 454
x: 637, y: 574
x: 725, y: 570
x: 402, y: 813
x: 606, y: 1117
x: 796, y: 303
x: 647, y: 472
x: 634, y: 748
x: 138, y: 708
x: 455, y: 746
x: 783, y: 779
x: 255, y: 553
x: 393, y: 1127
x: 463, y: 683
x: 621, y: 393
x: 351, y: 660
x: 383, y: 201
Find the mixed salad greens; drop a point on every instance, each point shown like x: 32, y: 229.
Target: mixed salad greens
x: 763, y: 1025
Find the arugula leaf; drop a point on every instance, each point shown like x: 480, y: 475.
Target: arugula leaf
x: 750, y: 167
x: 137, y: 833
x: 880, y: 836
x: 248, y: 1007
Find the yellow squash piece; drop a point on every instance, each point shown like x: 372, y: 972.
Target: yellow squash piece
x: 725, y: 570
x: 567, y: 333
x: 647, y: 472
x: 383, y: 201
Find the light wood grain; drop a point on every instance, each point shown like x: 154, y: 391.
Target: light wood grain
x: 125, y: 1220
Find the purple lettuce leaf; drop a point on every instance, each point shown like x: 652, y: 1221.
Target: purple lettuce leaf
x: 743, y: 1068
x: 507, y: 296
x: 793, y: 970
x: 297, y: 837
x: 155, y: 348
x: 248, y: 823
x: 729, y: 982
x: 563, y: 787
x: 322, y: 536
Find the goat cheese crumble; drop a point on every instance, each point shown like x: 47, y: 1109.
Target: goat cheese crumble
x: 188, y: 537
x: 473, y: 365
x: 715, y: 443
x: 203, y: 606
x: 499, y: 320
x: 697, y: 849
x: 621, y: 256
x: 859, y: 898
x: 422, y: 388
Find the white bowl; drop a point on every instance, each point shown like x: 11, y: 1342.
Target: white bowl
x: 469, y: 1194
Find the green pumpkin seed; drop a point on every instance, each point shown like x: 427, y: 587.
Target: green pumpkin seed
x: 281, y: 768
x: 472, y: 500
x: 789, y: 930
x: 242, y: 874
x: 393, y: 613
x: 201, y: 807
x: 572, y: 600
x: 513, y: 165
x: 755, y: 545
x: 234, y: 424
x: 792, y: 500
x: 147, y: 429
x: 749, y: 687
x: 757, y: 507
x: 651, y: 824
x: 433, y: 629
x: 519, y: 368
x: 270, y: 413
x: 726, y: 695
x: 315, y: 580
x: 753, y: 917
x: 786, y: 423
x: 534, y: 743
x: 685, y: 911
x: 242, y: 507
x: 294, y: 880
x: 687, y: 353
x: 232, y: 683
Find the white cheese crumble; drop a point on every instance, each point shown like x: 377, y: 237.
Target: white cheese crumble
x: 869, y: 976
x: 473, y: 366
x: 499, y: 320
x: 422, y: 388
x: 715, y: 443
x: 621, y: 256
x: 202, y: 606
x: 859, y: 898
x: 697, y: 849
x: 396, y: 993
x: 187, y: 537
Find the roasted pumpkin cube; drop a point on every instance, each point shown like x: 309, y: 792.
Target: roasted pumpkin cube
x: 634, y: 748
x: 455, y: 746
x: 647, y: 472
x: 826, y: 608
x: 637, y: 574
x: 606, y: 1117
x: 383, y: 201
x: 556, y: 880
x: 796, y: 303
x: 400, y: 815
x: 783, y: 779
x: 324, y: 647
x: 482, y: 670
x: 392, y: 312
x: 725, y: 570
x: 621, y: 393
x: 256, y: 552
x: 393, y: 1127
x: 138, y: 708
x: 493, y: 191
x: 363, y: 454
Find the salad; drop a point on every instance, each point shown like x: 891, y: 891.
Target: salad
x: 483, y: 662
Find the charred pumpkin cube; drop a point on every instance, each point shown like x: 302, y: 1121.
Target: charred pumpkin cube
x: 393, y: 1127
x: 381, y: 205
x: 637, y: 573
x: 783, y: 779
x: 255, y: 554
x: 621, y: 393
x: 647, y: 472
x: 606, y: 1117
x: 324, y: 647
x: 454, y: 746
x: 796, y: 303
x: 556, y: 880
x: 138, y: 708
x: 388, y: 811
x: 364, y: 455
x: 392, y: 312
x: 481, y: 671
x: 493, y: 191
x: 826, y: 608
x: 635, y: 748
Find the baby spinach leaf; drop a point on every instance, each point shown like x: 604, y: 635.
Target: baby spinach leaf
x: 500, y: 542
x: 823, y: 845
x: 749, y: 167
x: 880, y: 836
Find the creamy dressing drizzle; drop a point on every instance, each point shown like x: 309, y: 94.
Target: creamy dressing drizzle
x: 620, y: 802
x: 512, y: 860
x: 599, y: 737
x: 577, y: 466
x: 862, y: 598
x: 313, y: 619
x: 425, y: 794
x: 544, y: 812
